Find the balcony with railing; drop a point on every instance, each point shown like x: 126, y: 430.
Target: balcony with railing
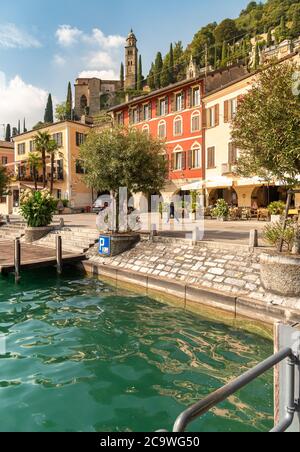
x: 228, y: 169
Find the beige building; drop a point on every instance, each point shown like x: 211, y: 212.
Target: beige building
x: 68, y: 177
x: 221, y: 180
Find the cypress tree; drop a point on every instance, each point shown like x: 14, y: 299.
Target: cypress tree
x: 48, y: 118
x: 158, y: 70
x: 171, y: 65
x: 14, y: 132
x: 165, y: 74
x: 24, y: 126
x: 140, y: 77
x: 269, y: 38
x: 224, y: 54
x: 69, y: 103
x: 150, y: 80
x: 257, y: 57
x: 122, y: 75
x: 282, y: 29
x: 296, y: 24
x: 19, y: 127
x: 8, y: 133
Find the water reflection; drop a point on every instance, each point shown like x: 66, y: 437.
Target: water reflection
x: 82, y: 357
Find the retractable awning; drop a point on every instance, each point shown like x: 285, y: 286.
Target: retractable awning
x: 198, y: 185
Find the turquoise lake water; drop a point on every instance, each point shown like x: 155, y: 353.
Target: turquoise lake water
x: 81, y: 356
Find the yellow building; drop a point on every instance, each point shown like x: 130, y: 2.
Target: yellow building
x: 221, y: 156
x: 68, y: 176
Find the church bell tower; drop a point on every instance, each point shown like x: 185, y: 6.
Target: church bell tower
x: 131, y: 61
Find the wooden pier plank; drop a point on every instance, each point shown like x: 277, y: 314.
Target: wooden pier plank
x: 32, y: 256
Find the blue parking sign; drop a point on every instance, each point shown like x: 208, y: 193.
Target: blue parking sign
x: 104, y: 245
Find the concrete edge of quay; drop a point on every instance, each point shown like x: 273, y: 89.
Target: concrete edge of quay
x: 186, y: 295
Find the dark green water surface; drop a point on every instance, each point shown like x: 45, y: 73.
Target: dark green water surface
x: 81, y: 356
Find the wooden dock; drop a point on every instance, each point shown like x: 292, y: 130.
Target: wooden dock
x: 33, y: 256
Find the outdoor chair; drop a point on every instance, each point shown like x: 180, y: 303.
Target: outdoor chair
x: 263, y: 214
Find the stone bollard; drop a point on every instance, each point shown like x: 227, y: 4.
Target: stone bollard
x: 196, y: 235
x: 296, y: 247
x: 253, y: 240
x: 153, y: 232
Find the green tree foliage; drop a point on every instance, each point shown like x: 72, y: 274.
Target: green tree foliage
x: 48, y: 117
x: 43, y: 143
x: 19, y: 127
x: 140, y: 77
x: 61, y: 112
x: 266, y: 128
x: 34, y: 163
x: 150, y: 80
x: 69, y: 103
x: 257, y: 56
x: 171, y: 64
x: 3, y: 180
x: 226, y: 31
x: 122, y: 75
x: 165, y: 77
x: 158, y: 70
x: 269, y: 38
x: 24, y: 126
x: 8, y: 133
x: 128, y: 158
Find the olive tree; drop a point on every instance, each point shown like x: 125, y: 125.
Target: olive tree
x: 266, y: 128
x: 121, y: 157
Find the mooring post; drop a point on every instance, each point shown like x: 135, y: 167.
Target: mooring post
x: 253, y: 240
x: 17, y: 259
x: 153, y: 232
x: 286, y: 216
x: 59, y: 260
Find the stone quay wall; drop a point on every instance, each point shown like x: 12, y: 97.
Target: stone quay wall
x: 226, y: 268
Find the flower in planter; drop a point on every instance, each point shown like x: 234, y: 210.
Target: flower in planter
x: 37, y: 207
x: 221, y: 210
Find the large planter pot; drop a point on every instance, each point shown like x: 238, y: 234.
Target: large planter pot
x: 114, y: 244
x: 275, y: 218
x: 280, y: 274
x: 35, y: 234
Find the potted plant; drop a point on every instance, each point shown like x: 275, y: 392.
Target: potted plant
x: 280, y: 273
x: 276, y: 210
x: 37, y: 208
x: 193, y: 212
x: 221, y: 211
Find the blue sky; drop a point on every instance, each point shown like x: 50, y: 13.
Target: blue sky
x: 43, y: 44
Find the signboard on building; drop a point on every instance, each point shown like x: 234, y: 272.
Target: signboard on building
x: 104, y: 245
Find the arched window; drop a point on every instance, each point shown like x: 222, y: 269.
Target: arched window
x: 146, y: 129
x: 195, y: 156
x: 162, y: 129
x: 178, y: 159
x: 178, y: 127
x: 83, y: 102
x: 196, y: 121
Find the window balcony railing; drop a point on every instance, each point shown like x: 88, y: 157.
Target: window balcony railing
x: 228, y: 168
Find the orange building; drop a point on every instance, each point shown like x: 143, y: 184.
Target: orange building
x: 174, y: 114
x: 6, y: 153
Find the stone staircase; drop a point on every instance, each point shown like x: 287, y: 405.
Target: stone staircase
x: 11, y: 231
x: 75, y: 240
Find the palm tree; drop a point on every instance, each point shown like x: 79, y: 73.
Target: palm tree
x: 34, y: 161
x: 42, y: 144
x: 52, y: 150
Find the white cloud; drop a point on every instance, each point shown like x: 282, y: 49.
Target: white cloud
x: 67, y: 35
x: 21, y: 100
x: 110, y: 41
x: 97, y: 55
x: 96, y: 60
x: 11, y: 37
x: 58, y: 60
x: 104, y: 75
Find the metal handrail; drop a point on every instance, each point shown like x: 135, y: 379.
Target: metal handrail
x: 202, y: 407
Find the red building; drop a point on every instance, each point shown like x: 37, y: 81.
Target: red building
x: 175, y: 114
